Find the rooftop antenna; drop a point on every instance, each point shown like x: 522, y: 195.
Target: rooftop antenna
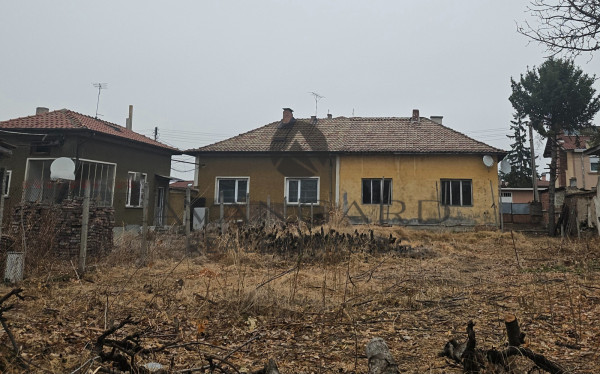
x: 100, y: 87
x: 317, y: 98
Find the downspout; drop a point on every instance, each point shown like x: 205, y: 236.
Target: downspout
x: 582, y: 170
x: 337, y: 181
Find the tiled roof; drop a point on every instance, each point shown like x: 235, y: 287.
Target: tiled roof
x: 65, y: 119
x: 353, y: 135
x: 569, y: 143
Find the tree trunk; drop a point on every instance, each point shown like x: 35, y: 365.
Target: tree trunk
x: 552, y: 185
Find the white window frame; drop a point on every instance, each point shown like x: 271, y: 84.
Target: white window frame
x: 594, y: 160
x: 362, y: 192
x: 235, y: 195
x: 299, y: 179
x: 449, y: 203
x: 143, y: 176
x: 7, y: 178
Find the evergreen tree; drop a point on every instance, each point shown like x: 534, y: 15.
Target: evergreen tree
x: 519, y: 155
x: 557, y: 97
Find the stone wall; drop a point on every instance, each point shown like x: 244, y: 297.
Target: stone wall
x: 56, y: 228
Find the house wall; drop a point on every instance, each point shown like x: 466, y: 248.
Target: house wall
x: 416, y: 188
x: 586, y: 179
x: 127, y: 155
x: 415, y: 183
x: 267, y: 178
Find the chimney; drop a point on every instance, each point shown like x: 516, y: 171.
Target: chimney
x: 40, y: 110
x: 329, y: 115
x: 129, y: 120
x: 437, y: 119
x: 313, y: 120
x: 415, y: 116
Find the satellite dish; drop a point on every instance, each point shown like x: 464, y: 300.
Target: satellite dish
x: 62, y: 168
x: 505, y: 166
x: 488, y: 160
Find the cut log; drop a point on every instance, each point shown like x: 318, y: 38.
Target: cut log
x: 513, y: 331
x: 380, y: 358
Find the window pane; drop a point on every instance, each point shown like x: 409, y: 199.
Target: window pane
x: 134, y: 186
x: 293, y: 191
x: 242, y: 190
x: 466, y: 193
x: 387, y: 191
x: 454, y: 192
x: 594, y: 163
x: 366, y: 191
x: 308, y: 191
x: 376, y: 191
x: 445, y: 192
x: 227, y: 187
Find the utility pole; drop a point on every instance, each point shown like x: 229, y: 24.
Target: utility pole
x: 536, y: 196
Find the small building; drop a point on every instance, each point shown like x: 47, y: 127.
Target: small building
x: 575, y: 167
x: 176, y: 205
x: 392, y: 170
x: 115, y: 159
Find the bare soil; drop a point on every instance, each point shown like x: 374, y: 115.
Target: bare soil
x: 318, y: 317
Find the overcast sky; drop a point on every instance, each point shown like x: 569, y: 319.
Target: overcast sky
x: 202, y: 71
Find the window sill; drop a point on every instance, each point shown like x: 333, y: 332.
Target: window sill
x: 218, y: 203
x: 133, y: 207
x: 375, y: 204
x: 303, y: 204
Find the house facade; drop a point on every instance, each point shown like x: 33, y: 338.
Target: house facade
x: 114, y: 159
x: 575, y: 167
x: 410, y: 171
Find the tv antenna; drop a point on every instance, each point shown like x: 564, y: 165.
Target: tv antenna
x: 317, y: 98
x: 100, y: 87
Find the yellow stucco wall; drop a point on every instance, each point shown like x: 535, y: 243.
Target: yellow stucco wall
x: 574, y: 170
x: 267, y: 178
x: 414, y: 192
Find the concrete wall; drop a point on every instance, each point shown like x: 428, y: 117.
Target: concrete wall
x: 128, y: 156
x: 416, y: 188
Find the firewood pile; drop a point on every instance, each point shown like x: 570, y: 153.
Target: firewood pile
x: 56, y: 228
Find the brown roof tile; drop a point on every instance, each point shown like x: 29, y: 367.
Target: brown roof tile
x: 353, y: 135
x: 65, y: 119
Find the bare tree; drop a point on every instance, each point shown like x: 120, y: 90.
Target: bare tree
x: 570, y: 26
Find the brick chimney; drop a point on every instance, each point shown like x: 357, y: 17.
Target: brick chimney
x: 129, y: 120
x: 41, y: 110
x: 313, y: 120
x: 415, y: 115
x: 329, y: 115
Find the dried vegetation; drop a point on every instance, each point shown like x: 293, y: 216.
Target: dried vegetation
x: 311, y: 309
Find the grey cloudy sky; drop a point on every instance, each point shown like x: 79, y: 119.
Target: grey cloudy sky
x: 204, y: 70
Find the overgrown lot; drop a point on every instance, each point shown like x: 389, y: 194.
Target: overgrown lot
x: 312, y: 311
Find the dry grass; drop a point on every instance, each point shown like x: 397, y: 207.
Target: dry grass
x: 318, y: 317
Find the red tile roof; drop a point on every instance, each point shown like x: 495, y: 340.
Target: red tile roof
x: 353, y: 135
x: 65, y: 119
x: 569, y: 143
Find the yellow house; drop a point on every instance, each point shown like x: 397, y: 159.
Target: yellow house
x: 408, y: 171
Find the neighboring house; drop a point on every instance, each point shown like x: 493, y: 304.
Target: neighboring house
x: 411, y: 171
x: 175, y: 208
x: 575, y: 168
x: 516, y: 203
x: 115, y: 159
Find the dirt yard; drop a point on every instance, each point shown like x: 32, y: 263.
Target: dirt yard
x: 313, y: 312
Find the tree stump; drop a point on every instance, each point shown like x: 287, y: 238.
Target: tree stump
x: 380, y: 358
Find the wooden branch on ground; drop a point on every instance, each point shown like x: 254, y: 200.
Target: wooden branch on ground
x: 17, y: 293
x: 474, y: 359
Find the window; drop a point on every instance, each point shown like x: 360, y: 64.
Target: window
x: 594, y: 163
x: 7, y: 175
x: 457, y: 192
x: 234, y: 190
x: 135, y: 189
x: 40, y: 187
x: 302, y: 190
x: 372, y: 191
